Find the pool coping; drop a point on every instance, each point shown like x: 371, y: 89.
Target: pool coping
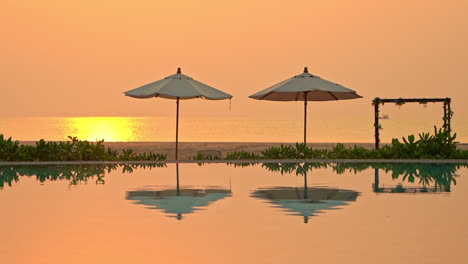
x: 445, y: 161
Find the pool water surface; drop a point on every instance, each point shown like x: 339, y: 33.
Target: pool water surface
x: 234, y: 213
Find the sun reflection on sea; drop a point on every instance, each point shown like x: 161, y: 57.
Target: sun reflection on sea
x: 107, y: 128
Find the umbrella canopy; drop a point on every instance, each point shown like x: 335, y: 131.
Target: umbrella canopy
x: 306, y: 87
x: 178, y: 86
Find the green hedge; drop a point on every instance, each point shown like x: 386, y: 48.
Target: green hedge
x: 73, y: 150
x: 440, y: 145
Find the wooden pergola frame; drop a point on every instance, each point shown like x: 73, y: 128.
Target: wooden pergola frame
x: 400, y: 101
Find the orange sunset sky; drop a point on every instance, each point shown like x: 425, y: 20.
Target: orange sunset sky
x: 76, y: 58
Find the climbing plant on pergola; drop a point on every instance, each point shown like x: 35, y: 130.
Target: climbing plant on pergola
x: 401, y: 101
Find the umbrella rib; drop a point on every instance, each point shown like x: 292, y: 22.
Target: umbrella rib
x: 297, y: 96
x: 336, y: 98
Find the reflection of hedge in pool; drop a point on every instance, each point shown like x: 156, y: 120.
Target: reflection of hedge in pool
x: 409, y: 171
x: 298, y: 168
x: 73, y: 150
x: 439, y: 174
x: 75, y: 174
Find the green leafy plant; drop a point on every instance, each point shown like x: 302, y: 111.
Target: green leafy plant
x: 73, y: 150
x: 299, y: 151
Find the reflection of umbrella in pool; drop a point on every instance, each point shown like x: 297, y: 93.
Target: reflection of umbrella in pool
x: 179, y: 201
x: 306, y: 201
x: 440, y: 175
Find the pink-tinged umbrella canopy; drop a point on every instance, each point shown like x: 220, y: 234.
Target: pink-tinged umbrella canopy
x: 178, y: 86
x: 306, y: 87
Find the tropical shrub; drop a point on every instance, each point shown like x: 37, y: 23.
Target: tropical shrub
x: 73, y: 150
x: 440, y: 145
x: 299, y: 151
x: 356, y: 152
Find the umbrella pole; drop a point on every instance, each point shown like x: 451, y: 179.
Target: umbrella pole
x: 177, y: 174
x: 177, y: 131
x: 306, y: 194
x: 306, y: 191
x: 305, y: 118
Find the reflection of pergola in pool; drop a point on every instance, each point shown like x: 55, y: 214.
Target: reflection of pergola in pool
x: 401, y: 189
x: 306, y: 201
x: 178, y: 201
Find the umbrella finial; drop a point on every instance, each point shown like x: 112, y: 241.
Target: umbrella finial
x: 306, y: 70
x: 179, y: 71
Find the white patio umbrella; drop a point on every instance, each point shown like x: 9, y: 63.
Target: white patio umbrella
x: 178, y: 86
x: 305, y: 87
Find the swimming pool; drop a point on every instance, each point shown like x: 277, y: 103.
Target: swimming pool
x: 234, y: 213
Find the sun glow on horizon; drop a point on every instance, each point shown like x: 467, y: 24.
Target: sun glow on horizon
x: 107, y: 128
